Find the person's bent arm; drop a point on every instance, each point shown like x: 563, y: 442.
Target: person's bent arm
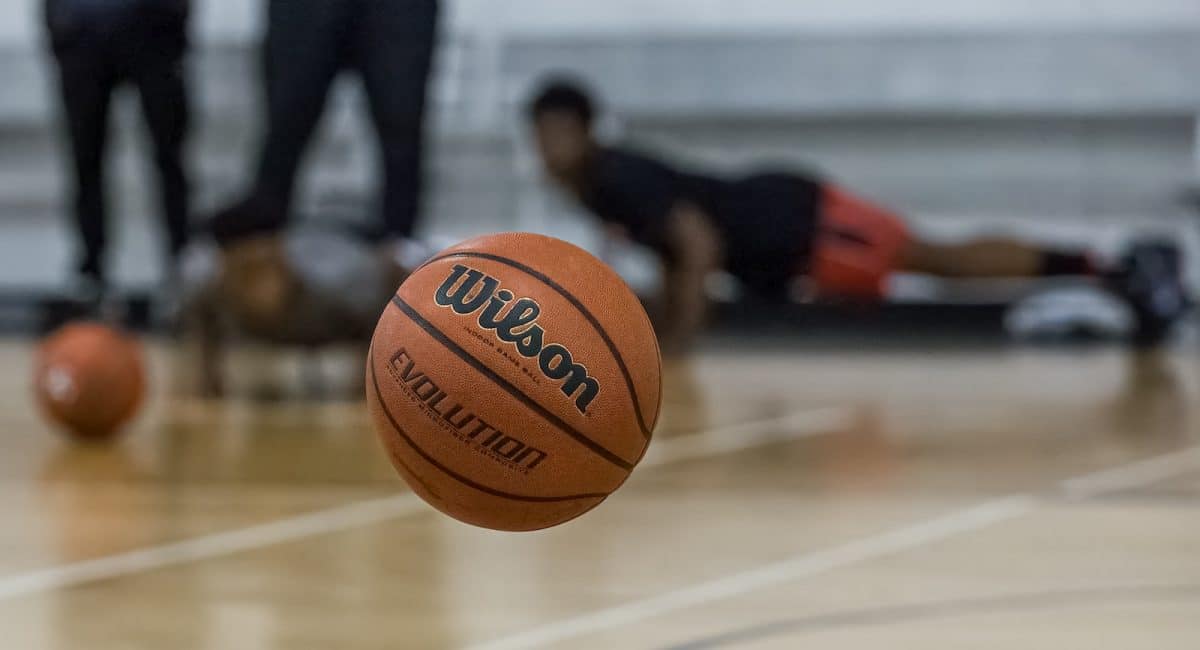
x: 695, y: 251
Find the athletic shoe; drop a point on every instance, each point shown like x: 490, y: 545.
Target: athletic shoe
x: 1150, y: 279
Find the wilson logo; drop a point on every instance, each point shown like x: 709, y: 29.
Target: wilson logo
x: 467, y: 291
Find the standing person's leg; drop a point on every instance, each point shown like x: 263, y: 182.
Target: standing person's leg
x: 86, y: 82
x: 157, y: 69
x: 303, y: 52
x: 395, y: 53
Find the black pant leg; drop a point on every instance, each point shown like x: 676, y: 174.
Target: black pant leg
x: 302, y: 54
x: 394, y: 51
x: 161, y: 83
x: 87, y: 78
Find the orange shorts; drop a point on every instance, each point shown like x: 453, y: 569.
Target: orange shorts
x: 858, y: 244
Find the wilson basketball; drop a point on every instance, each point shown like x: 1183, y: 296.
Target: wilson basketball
x: 89, y: 380
x: 514, y: 381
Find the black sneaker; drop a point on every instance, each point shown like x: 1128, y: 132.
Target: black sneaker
x: 1150, y: 279
x: 85, y: 298
x: 88, y: 291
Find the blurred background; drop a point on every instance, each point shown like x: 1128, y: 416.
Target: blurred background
x: 1051, y: 118
x: 798, y: 485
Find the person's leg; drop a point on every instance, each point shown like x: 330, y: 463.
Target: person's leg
x: 992, y: 257
x: 859, y: 244
x: 86, y: 82
x: 394, y: 53
x: 159, y: 76
x: 302, y: 54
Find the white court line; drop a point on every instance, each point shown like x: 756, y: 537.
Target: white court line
x: 801, y: 566
x: 1131, y: 476
x: 855, y: 552
x: 344, y: 517
x: 711, y: 442
x: 740, y: 437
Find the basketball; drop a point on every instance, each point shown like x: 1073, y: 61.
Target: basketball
x: 514, y: 381
x: 89, y: 380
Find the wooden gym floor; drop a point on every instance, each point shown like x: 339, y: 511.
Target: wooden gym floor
x: 1003, y: 498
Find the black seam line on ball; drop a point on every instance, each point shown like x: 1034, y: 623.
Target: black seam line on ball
x: 454, y: 475
x: 612, y: 347
x: 509, y: 388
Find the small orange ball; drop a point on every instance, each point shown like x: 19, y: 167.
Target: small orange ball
x: 89, y: 380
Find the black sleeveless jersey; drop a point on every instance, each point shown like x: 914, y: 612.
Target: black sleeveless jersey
x: 766, y: 220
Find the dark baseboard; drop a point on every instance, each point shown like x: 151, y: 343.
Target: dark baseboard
x: 34, y: 313
x: 742, y: 325
x: 747, y: 324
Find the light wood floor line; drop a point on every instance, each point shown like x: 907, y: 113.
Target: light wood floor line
x: 1132, y: 476
x: 344, y: 517
x: 703, y: 444
x: 909, y: 537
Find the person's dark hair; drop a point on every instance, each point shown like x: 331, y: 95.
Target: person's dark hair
x: 562, y: 94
